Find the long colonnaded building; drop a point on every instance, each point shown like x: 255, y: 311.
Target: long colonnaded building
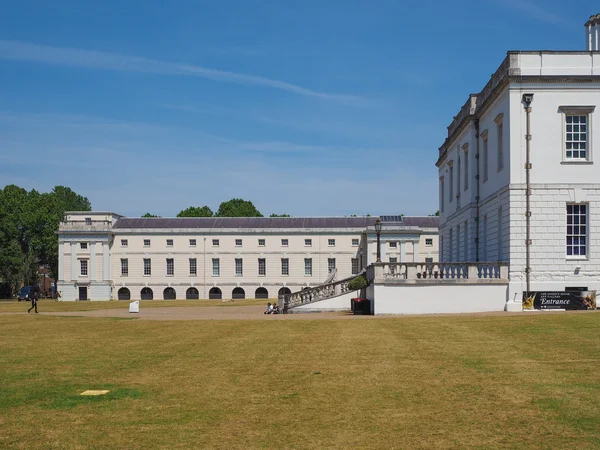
x: 104, y: 256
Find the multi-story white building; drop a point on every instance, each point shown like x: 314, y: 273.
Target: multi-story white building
x: 537, y: 209
x: 104, y: 256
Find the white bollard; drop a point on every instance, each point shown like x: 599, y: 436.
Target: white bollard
x: 134, y: 307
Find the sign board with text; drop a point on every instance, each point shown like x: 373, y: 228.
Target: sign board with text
x: 559, y: 300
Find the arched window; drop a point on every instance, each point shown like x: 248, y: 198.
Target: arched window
x: 169, y: 294
x: 238, y: 292
x: 261, y: 292
x: 284, y: 291
x: 147, y: 294
x: 192, y: 294
x: 124, y: 294
x: 215, y: 294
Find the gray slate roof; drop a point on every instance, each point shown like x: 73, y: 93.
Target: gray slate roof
x: 266, y: 222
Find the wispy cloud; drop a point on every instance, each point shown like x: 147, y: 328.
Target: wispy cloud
x: 73, y: 57
x: 533, y: 10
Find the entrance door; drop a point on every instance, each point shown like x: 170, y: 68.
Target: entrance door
x: 83, y: 293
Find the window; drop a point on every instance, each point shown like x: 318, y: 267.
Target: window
x: 307, y: 242
x: 331, y: 242
x: 393, y: 245
x: 484, y: 137
x: 169, y: 242
x: 308, y: 267
x: 170, y: 267
x: 215, y: 242
x: 500, y: 137
x: 83, y: 245
x: 466, y: 158
x: 576, y: 132
x: 238, y: 242
x: 124, y: 243
x: 88, y: 220
x: 458, y: 174
x: 450, y: 249
x: 239, y: 267
x: 429, y: 242
x: 84, y: 267
x: 458, y: 243
x: 216, y: 267
x: 354, y: 266
x: 577, y: 230
x: 451, y: 188
x: 192, y: 242
x: 284, y: 242
x: 124, y: 267
x: 146, y: 242
x: 193, y: 267
x: 428, y: 260
x: 330, y: 264
x: 262, y: 266
x: 355, y: 242
x: 147, y: 267
x: 261, y: 242
x: 285, y: 266
x: 442, y: 194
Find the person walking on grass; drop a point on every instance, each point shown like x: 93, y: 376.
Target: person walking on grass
x: 33, y: 296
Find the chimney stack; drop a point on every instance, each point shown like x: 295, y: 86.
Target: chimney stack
x: 592, y: 27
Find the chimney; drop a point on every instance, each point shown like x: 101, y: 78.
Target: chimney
x: 592, y: 27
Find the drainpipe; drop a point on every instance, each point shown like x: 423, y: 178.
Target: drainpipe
x: 476, y: 122
x: 527, y: 99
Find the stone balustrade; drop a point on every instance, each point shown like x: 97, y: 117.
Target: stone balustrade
x: 428, y: 273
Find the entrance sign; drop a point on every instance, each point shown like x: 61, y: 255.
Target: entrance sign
x: 559, y: 300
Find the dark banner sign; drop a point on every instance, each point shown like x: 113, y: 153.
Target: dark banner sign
x: 559, y: 300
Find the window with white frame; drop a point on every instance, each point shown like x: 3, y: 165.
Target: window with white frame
x: 466, y: 159
x: 429, y: 242
x: 169, y: 242
x: 331, y: 242
x: 147, y: 267
x: 238, y: 242
x: 124, y: 243
x: 215, y: 242
x: 124, y: 267
x: 393, y: 261
x: 576, y: 133
x: 451, y: 187
x: 284, y: 242
x: 216, y: 267
x: 285, y: 266
x: 330, y: 265
x: 355, y: 242
x: 192, y: 242
x: 393, y: 244
x: 239, y: 267
x: 88, y: 220
x: 499, y: 140
x: 429, y: 260
x: 354, y: 266
x: 577, y: 230
x: 146, y: 242
x: 308, y: 242
x: 170, y: 267
x: 261, y: 242
x: 262, y: 267
x: 83, y: 245
x: 83, y: 263
x: 484, y: 138
x: 308, y: 267
x: 193, y: 267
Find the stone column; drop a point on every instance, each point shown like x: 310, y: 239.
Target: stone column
x: 370, y: 253
x: 61, y: 262
x: 402, y: 251
x: 73, y: 261
x: 416, y: 251
x: 105, y: 262
x: 383, y: 246
x: 92, y: 268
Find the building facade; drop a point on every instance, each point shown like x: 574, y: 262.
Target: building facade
x: 104, y: 256
x: 519, y: 179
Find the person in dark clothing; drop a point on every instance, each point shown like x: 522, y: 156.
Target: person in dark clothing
x: 33, y: 296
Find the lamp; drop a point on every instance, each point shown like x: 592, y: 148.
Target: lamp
x: 378, y: 231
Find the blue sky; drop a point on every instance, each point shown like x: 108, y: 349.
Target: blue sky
x: 303, y: 107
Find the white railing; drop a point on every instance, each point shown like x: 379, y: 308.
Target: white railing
x: 467, y: 272
x: 96, y: 225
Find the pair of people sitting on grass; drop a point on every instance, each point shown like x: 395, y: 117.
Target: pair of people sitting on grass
x: 272, y: 309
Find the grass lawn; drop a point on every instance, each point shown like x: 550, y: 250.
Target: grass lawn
x: 48, y: 305
x: 438, y: 382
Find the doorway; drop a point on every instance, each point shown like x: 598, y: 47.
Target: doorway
x: 83, y: 293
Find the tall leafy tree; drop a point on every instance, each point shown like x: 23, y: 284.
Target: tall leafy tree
x: 196, y: 211
x: 279, y: 215
x: 236, y: 207
x: 149, y: 215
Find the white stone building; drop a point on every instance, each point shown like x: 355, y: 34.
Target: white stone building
x: 539, y: 212
x: 104, y: 256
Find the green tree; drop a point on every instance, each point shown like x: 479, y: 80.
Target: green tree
x: 149, y: 215
x: 280, y: 215
x: 196, y: 211
x: 437, y: 213
x: 236, y: 207
x: 358, y: 283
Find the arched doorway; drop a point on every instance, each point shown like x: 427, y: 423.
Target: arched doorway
x: 192, y: 294
x: 147, y: 294
x: 215, y: 294
x: 284, y: 291
x: 238, y: 292
x: 169, y: 294
x: 124, y: 294
x: 261, y: 292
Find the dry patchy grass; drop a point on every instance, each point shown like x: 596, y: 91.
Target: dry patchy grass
x: 434, y: 382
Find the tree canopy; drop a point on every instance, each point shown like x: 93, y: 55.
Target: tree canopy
x: 28, y: 225
x: 149, y: 215
x: 280, y: 215
x: 236, y: 207
x: 196, y: 211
